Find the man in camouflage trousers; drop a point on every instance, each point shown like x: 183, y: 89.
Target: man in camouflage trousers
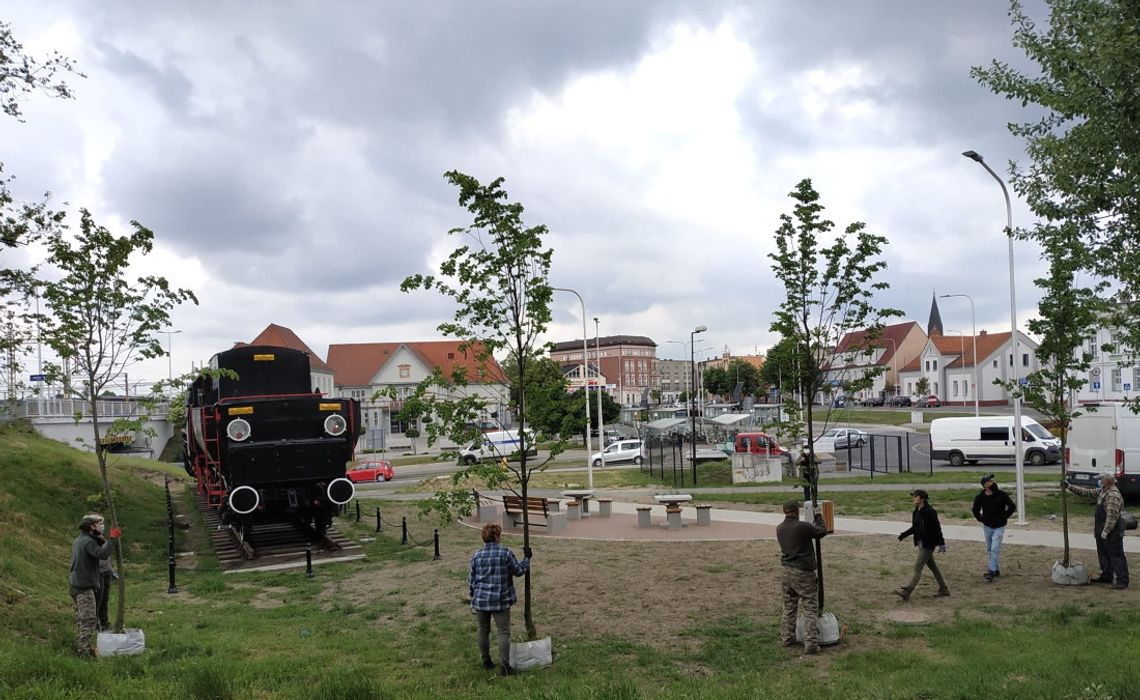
x: 797, y: 555
x: 85, y: 580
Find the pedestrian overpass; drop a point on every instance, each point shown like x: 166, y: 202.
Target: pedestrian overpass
x: 69, y: 422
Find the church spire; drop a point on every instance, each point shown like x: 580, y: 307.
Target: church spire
x: 934, y: 325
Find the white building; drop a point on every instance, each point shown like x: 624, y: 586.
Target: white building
x: 948, y: 364
x: 1113, y: 374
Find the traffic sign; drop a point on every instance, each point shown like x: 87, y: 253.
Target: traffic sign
x: 1024, y: 381
x: 1096, y: 385
x: 1095, y: 371
x: 39, y: 377
x: 1128, y: 387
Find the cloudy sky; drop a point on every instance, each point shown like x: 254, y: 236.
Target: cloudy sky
x: 290, y: 155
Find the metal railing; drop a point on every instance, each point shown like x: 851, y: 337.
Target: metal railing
x: 70, y: 408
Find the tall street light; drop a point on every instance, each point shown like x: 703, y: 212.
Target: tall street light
x: 1019, y: 461
x: 692, y: 404
x: 974, y: 340
x: 169, y: 364
x: 962, y: 340
x: 585, y: 387
x: 601, y: 416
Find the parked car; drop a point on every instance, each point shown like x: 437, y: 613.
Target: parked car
x: 837, y: 439
x: 873, y: 401
x: 900, y: 401
x: 758, y: 443
x: 933, y: 401
x: 839, y: 402
x: 620, y: 451
x: 373, y: 470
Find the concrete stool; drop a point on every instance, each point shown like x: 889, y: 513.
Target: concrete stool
x: 553, y: 505
x: 604, y: 507
x: 487, y: 513
x: 643, y: 516
x: 704, y: 517
x: 574, y: 510
x: 673, y: 517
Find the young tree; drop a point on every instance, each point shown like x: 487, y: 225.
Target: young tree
x: 498, y: 279
x: 1067, y: 316
x: 829, y: 287
x: 1084, y: 172
x: 102, y: 322
x: 922, y: 386
x: 546, y: 398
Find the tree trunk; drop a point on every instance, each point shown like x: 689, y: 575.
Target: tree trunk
x: 111, y: 515
x: 1064, y: 505
x: 528, y: 616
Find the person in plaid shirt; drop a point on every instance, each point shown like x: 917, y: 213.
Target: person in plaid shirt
x: 492, y: 589
x: 1108, y: 529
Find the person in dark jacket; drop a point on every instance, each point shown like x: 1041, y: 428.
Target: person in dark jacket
x: 992, y: 508
x: 85, y: 581
x: 103, y: 595
x: 797, y: 555
x: 491, y: 586
x: 927, y: 534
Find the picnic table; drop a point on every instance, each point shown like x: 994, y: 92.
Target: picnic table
x: 583, y: 495
x: 673, y: 503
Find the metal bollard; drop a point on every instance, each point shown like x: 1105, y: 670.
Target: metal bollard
x: 378, y: 528
x: 435, y: 536
x: 357, y: 511
x: 309, y: 560
x: 404, y: 530
x: 173, y: 587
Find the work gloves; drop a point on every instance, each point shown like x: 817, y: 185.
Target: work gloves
x: 941, y: 549
x: 528, y: 552
x: 116, y: 533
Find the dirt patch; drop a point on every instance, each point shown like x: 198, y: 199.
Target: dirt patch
x: 662, y: 593
x: 267, y: 598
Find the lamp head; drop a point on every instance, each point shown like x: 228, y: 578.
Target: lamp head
x: 700, y: 329
x: 973, y: 155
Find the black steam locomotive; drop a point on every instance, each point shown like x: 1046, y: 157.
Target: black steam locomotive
x: 266, y: 446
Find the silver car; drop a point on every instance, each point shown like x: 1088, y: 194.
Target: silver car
x: 620, y: 451
x: 843, y: 438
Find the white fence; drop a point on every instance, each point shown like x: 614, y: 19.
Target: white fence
x: 71, y: 408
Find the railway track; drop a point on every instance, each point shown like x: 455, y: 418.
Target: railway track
x: 273, y: 545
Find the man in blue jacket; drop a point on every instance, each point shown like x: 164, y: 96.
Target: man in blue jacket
x: 992, y: 508
x: 85, y: 580
x: 491, y: 586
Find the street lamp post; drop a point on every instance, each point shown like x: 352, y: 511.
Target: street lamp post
x: 1019, y: 460
x: 692, y: 404
x: 894, y: 370
x: 585, y: 387
x: 169, y: 363
x: 601, y: 416
x: 962, y: 340
x: 974, y: 340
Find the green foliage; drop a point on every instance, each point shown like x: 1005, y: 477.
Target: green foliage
x: 499, y: 282
x: 102, y: 321
x: 829, y: 283
x: 722, y: 380
x: 922, y: 386
x: 1084, y: 136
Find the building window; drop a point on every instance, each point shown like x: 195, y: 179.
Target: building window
x: 1024, y: 359
x: 1135, y: 377
x: 936, y: 388
x: 909, y: 388
x: 955, y: 387
x: 1116, y: 381
x: 398, y: 426
x: 405, y: 371
x: 995, y: 364
x: 936, y: 365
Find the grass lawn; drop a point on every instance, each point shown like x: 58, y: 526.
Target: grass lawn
x: 628, y: 619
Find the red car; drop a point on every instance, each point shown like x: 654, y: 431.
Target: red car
x: 933, y: 401
x: 377, y: 470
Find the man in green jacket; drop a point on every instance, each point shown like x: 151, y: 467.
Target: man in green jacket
x: 797, y: 555
x: 85, y: 579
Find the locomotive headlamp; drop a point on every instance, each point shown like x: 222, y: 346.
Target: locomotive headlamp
x: 335, y: 425
x: 238, y: 430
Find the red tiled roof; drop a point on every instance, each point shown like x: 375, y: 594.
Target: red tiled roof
x: 988, y: 344
x: 281, y: 337
x: 356, y: 364
x: 858, y: 339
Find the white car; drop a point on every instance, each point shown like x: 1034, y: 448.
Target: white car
x: 838, y: 439
x: 620, y: 451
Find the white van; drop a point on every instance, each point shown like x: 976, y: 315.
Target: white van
x: 1105, y: 437
x: 495, y: 445
x: 990, y: 439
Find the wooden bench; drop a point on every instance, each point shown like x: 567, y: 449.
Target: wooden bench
x: 515, y: 506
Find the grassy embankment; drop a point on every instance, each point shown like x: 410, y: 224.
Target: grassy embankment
x: 395, y: 624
